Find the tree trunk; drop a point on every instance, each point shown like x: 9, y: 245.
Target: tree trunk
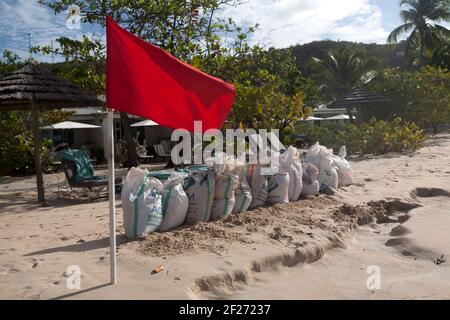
x: 37, y: 153
x: 131, y: 148
x: 421, y: 54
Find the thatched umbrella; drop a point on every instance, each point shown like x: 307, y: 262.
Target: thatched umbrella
x: 33, y: 87
x: 358, y: 98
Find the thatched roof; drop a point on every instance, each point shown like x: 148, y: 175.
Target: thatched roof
x: 48, y: 90
x: 358, y: 97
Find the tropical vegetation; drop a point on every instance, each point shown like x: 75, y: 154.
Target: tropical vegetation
x: 373, y: 137
x: 16, y: 139
x: 422, y: 18
x: 422, y: 97
x: 276, y: 87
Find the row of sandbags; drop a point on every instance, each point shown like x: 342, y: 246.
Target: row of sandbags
x: 332, y: 171
x: 160, y: 201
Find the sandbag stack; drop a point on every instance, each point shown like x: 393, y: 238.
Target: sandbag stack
x: 175, y: 203
x: 224, y: 196
x: 290, y: 162
x: 199, y: 187
x: 141, y: 204
x: 311, y: 185
x: 243, y: 196
x: 259, y: 186
x: 231, y: 166
x: 164, y: 200
x: 345, y: 172
x: 278, y: 187
x: 322, y: 158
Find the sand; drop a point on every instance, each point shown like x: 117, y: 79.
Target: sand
x: 395, y: 217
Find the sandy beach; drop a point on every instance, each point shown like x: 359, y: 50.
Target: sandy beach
x: 396, y: 217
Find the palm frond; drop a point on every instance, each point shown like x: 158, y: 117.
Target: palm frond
x: 409, y: 16
x: 393, y: 37
x: 439, y: 15
x: 442, y: 32
x: 411, y: 3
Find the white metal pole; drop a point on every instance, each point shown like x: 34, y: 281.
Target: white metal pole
x: 112, y: 197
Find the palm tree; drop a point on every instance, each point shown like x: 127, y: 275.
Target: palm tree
x: 422, y: 18
x: 344, y: 69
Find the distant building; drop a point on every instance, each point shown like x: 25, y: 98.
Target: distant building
x: 85, y: 138
x: 322, y: 111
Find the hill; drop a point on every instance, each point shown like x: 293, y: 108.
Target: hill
x: 391, y: 55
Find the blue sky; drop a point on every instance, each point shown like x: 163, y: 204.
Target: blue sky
x: 283, y: 22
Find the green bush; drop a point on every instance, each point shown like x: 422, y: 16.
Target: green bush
x: 17, y: 144
x: 422, y: 97
x: 374, y: 137
x: 314, y: 133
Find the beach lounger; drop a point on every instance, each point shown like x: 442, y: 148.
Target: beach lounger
x: 80, y: 174
x: 161, y: 152
x: 143, y: 155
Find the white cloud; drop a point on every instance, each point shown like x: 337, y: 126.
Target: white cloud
x: 20, y: 17
x: 283, y: 22
x: 288, y: 22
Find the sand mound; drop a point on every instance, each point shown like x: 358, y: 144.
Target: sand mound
x: 284, y: 223
x: 223, y: 285
x: 343, y: 217
x: 394, y: 211
x: 287, y: 224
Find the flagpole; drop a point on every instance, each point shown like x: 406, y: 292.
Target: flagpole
x: 112, y: 197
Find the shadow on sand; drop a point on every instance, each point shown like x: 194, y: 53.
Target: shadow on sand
x: 18, y: 203
x: 80, y: 247
x: 70, y: 295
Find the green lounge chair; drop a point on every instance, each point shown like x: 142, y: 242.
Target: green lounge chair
x: 80, y: 173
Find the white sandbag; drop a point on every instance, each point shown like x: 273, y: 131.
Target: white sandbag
x: 322, y: 158
x: 345, y: 172
x: 174, y: 200
x: 224, y: 198
x: 141, y: 204
x: 229, y: 165
x: 258, y: 185
x: 225, y: 185
x: 222, y: 208
x: 313, y: 155
x: 243, y: 195
x: 295, y: 181
x: 278, y: 188
x: 311, y: 189
x: 175, y: 204
x: 199, y: 188
x: 290, y: 162
x: 328, y: 176
x: 310, y: 173
x: 311, y: 185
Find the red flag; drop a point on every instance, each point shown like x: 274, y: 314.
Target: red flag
x: 146, y: 81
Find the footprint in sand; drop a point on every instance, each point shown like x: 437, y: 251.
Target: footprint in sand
x: 430, y: 192
x: 399, y: 231
x: 13, y: 268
